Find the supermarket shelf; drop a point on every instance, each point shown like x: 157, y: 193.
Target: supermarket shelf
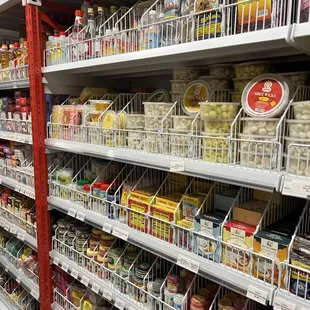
x: 104, y: 291
x: 19, y: 233
x: 218, y: 50
x: 20, y: 277
x: 223, y: 173
x: 224, y: 276
x: 7, y: 85
x: 17, y: 186
x: 286, y: 300
x: 16, y: 137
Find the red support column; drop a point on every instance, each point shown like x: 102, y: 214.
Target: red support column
x: 33, y: 25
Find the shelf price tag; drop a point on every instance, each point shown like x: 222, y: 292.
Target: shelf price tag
x: 74, y: 273
x: 65, y: 266
x: 85, y: 280
x: 119, y: 303
x: 107, y: 227
x: 177, y: 166
x: 56, y: 261
x: 21, y: 236
x: 257, y: 294
x: 18, y: 279
x: 35, y: 294
x: 80, y: 216
x: 107, y: 294
x: 96, y: 288
x: 282, y: 304
x: 72, y: 212
x: 120, y: 233
x: 188, y: 263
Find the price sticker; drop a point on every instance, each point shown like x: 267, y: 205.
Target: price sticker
x: 56, y: 261
x: 177, y: 166
x: 282, y: 304
x: 80, y: 216
x: 120, y: 233
x: 257, y: 294
x: 96, y: 288
x: 75, y: 273
x: 21, y: 236
x: 108, y: 294
x: 13, y: 231
x: 119, y: 303
x: 35, y: 294
x: 18, y: 279
x: 107, y: 227
x: 65, y: 266
x: 72, y: 212
x: 188, y: 263
x: 6, y: 269
x: 85, y: 280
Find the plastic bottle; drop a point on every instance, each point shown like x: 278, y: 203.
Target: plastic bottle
x: 54, y: 50
x: 84, y: 9
x: 61, y: 48
x: 90, y: 35
x: 77, y: 36
x: 48, y: 54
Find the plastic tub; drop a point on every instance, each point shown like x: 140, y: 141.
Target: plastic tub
x: 295, y: 150
x: 222, y: 70
x: 241, y: 83
x: 218, y: 126
x: 218, y: 110
x: 251, y: 69
x: 195, y: 92
x: 157, y: 109
x: 217, y: 82
x: 256, y: 144
x: 135, y: 144
x: 135, y: 120
x: 297, y: 78
x: 236, y: 96
x: 266, y: 96
x: 176, y: 96
x: 301, y: 110
x: 185, y: 74
x: 258, y: 126
x: 215, y: 155
x: 155, y: 122
x: 179, y: 85
x: 298, y: 129
x: 183, y: 122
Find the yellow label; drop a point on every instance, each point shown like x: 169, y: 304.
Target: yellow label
x: 254, y: 11
x: 194, y: 94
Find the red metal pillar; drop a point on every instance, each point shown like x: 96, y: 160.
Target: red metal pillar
x: 33, y: 25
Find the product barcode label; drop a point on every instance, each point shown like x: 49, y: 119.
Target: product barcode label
x: 107, y: 227
x: 282, y: 304
x: 120, y: 233
x: 188, y: 263
x: 119, y: 303
x: 96, y: 288
x: 80, y: 216
x: 257, y: 294
x: 262, y: 13
x: 108, y: 294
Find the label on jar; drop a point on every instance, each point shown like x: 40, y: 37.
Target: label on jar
x: 265, y: 96
x: 195, y: 93
x: 252, y: 12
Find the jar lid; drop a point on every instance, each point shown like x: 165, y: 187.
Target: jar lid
x: 195, y: 92
x: 266, y: 96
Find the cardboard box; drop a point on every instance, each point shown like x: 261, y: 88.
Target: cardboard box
x: 249, y: 212
x: 224, y: 200
x: 261, y: 195
x: 241, y: 235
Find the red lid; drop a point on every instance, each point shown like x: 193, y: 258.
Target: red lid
x: 79, y: 13
x: 104, y: 186
x: 86, y: 187
x: 97, y: 184
x: 62, y: 33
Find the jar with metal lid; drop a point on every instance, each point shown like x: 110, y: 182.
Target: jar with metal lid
x: 173, y: 282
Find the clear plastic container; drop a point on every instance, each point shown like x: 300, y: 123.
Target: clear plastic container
x: 186, y: 74
x: 296, y: 150
x: 301, y: 110
x: 299, y: 129
x: 222, y: 70
x: 178, y: 85
x: 255, y: 160
x: 256, y: 144
x: 251, y: 69
x: 135, y: 120
x: 297, y: 78
x: 157, y: 108
x: 217, y: 82
x: 183, y: 122
x: 241, y: 83
x: 155, y: 122
x: 259, y: 126
x: 217, y: 126
x: 215, y: 155
x: 135, y: 144
x: 218, y: 110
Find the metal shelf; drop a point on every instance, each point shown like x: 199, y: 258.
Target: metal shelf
x: 17, y: 186
x: 10, y: 85
x: 93, y: 283
x: 20, y: 277
x: 224, y: 276
x: 19, y: 233
x: 18, y: 137
x: 216, y: 172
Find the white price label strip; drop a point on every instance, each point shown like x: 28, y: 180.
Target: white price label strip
x: 35, y: 294
x: 257, y: 294
x: 282, y: 304
x: 85, y: 280
x: 72, y: 212
x: 96, y: 288
x: 107, y: 294
x: 65, y: 266
x: 177, y: 166
x: 107, y: 227
x: 120, y: 233
x: 188, y: 263
x: 119, y: 303
x: 21, y: 236
x: 74, y: 273
x: 80, y: 216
